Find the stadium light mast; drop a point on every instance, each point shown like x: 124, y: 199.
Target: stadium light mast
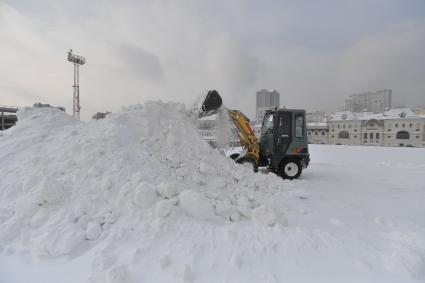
x: 77, y: 60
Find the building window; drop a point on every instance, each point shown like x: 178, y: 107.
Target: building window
x: 355, y: 136
x: 343, y: 135
x: 349, y: 126
x: 377, y: 136
x: 410, y: 125
x: 309, y: 133
x: 417, y: 137
x: 343, y: 126
x: 365, y: 136
x: 389, y: 137
x: 323, y: 133
x: 403, y: 135
x: 371, y: 136
x: 403, y: 125
x: 316, y: 133
x: 396, y: 125
x: 338, y: 126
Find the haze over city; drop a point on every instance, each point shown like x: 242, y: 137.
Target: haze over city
x: 314, y: 54
x: 300, y: 155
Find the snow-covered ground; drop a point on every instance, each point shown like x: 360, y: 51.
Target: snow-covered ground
x: 139, y: 197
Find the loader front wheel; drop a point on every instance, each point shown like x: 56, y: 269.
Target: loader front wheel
x: 248, y: 162
x: 290, y: 169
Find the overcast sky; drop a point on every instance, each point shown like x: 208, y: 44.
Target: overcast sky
x: 314, y: 53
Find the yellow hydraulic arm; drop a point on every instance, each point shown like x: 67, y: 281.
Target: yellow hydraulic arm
x: 246, y: 135
x: 213, y: 103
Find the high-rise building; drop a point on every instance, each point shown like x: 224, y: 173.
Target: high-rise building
x: 376, y: 102
x: 266, y: 100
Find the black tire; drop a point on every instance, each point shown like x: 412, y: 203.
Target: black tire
x: 290, y: 169
x: 247, y: 160
x: 234, y: 156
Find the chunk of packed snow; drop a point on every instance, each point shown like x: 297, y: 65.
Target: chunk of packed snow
x: 119, y: 274
x: 145, y: 195
x: 164, y: 207
x: 196, y: 205
x: 93, y: 231
x: 167, y: 189
x: 264, y: 215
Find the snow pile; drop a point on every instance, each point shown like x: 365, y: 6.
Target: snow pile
x: 139, y: 197
x: 67, y: 184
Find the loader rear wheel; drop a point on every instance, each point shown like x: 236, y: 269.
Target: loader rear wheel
x: 290, y: 169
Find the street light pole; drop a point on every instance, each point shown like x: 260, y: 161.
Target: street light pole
x: 77, y: 61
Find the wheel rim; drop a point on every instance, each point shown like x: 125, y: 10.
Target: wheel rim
x: 291, y: 169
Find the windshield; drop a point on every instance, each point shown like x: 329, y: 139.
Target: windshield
x: 268, y: 124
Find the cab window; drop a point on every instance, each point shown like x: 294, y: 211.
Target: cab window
x: 299, y: 125
x: 268, y: 124
x: 284, y: 124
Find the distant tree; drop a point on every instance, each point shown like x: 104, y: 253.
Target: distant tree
x: 100, y: 115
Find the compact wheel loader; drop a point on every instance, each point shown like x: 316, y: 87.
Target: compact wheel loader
x: 283, y: 144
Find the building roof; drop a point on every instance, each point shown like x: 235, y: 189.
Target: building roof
x: 400, y: 113
x: 9, y: 109
x: 395, y: 113
x: 343, y: 115
x: 317, y: 125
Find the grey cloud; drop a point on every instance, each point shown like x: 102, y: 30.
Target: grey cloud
x: 139, y: 62
x: 231, y: 63
x: 393, y: 59
x: 21, y: 94
x: 172, y: 50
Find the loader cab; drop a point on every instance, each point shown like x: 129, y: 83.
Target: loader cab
x: 283, y: 142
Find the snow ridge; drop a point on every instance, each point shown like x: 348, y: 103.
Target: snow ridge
x: 70, y: 184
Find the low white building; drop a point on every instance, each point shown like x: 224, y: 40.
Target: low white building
x: 316, y: 116
x: 318, y: 133
x: 396, y: 127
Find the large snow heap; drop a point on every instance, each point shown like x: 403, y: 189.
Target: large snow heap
x: 66, y: 185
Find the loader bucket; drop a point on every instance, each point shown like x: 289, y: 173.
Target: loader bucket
x: 211, y: 104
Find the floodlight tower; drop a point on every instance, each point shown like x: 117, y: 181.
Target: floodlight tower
x: 77, y: 60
